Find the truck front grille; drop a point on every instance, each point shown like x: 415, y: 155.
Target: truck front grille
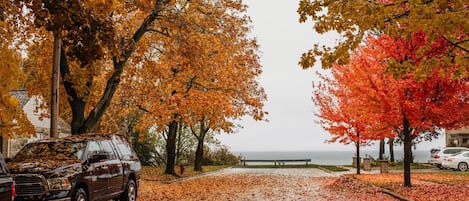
x: 29, y: 184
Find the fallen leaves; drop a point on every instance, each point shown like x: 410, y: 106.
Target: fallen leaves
x: 268, y: 185
x: 425, y: 186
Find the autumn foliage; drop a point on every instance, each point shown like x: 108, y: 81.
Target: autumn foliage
x: 13, y: 120
x: 444, y: 21
x: 157, y: 56
x: 362, y: 97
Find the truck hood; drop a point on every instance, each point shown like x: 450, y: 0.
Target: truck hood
x: 45, y: 165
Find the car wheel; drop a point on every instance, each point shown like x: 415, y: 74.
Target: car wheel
x: 440, y: 166
x: 130, y: 193
x: 462, y: 166
x: 80, y: 195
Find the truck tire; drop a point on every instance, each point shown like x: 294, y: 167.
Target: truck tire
x: 130, y: 193
x: 80, y: 195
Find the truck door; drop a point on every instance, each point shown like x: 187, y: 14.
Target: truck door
x: 99, y: 173
x: 116, y: 180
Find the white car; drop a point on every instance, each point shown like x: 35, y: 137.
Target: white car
x: 457, y: 161
x: 438, y: 155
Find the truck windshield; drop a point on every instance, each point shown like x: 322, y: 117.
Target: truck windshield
x: 62, y: 150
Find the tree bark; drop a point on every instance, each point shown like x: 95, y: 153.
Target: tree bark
x: 391, y: 149
x: 381, y: 149
x: 199, y: 153
x: 357, y: 146
x: 171, y: 148
x: 407, y: 152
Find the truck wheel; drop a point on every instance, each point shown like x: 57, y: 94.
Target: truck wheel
x: 130, y: 193
x: 79, y: 195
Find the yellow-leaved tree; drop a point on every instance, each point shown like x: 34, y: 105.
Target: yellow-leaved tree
x: 13, y: 120
x: 444, y: 21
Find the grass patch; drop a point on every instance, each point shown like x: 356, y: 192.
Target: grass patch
x: 414, y: 166
x: 333, y: 168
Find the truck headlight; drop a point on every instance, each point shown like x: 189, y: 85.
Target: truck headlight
x: 60, y: 183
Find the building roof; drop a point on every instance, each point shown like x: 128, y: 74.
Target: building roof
x: 21, y: 95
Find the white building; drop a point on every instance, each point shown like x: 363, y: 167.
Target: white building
x: 30, y: 105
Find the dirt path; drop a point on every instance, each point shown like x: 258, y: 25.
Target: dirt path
x: 246, y: 184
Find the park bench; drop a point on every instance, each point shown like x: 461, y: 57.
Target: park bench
x: 279, y: 162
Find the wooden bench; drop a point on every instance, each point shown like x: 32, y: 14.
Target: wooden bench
x: 280, y: 161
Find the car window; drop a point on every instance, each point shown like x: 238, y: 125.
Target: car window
x: 125, y: 151
x: 124, y: 148
x: 93, y: 148
x: 107, y: 148
x: 451, y: 151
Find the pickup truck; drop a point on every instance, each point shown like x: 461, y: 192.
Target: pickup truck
x: 85, y: 167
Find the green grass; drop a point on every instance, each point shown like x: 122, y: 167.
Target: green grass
x: 466, y: 173
x: 415, y: 166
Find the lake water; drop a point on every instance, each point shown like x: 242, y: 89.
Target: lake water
x: 327, y: 157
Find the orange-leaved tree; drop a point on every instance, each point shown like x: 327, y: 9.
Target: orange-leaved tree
x: 340, y: 99
x: 13, y: 120
x: 407, y: 106
x: 99, y: 39
x: 202, y: 74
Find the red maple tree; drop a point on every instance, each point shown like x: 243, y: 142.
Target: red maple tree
x: 405, y: 106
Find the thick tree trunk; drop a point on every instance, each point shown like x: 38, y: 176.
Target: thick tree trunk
x: 199, y: 153
x: 391, y: 150
x: 407, y: 152
x: 381, y: 149
x: 171, y: 148
x: 357, y: 146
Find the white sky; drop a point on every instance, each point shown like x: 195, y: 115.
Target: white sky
x: 291, y: 125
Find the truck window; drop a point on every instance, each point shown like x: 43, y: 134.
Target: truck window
x: 93, y: 148
x: 107, y: 148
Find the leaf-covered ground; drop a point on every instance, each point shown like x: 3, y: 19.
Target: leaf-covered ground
x: 425, y: 186
x: 260, y: 184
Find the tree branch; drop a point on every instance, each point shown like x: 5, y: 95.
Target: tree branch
x: 456, y: 44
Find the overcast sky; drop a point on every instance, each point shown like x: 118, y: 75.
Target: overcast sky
x: 291, y: 125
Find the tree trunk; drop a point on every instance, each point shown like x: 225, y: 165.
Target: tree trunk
x: 407, y: 152
x: 79, y: 123
x: 171, y: 148
x: 199, y: 153
x: 391, y: 149
x: 357, y: 146
x: 381, y: 150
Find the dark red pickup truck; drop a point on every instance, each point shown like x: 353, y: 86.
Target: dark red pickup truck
x: 78, y: 168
